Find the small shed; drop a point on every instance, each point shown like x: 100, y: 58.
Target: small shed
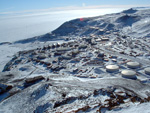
x: 104, y: 39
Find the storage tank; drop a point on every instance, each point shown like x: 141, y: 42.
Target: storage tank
x: 112, y: 68
x: 130, y: 74
x: 147, y: 70
x: 133, y: 65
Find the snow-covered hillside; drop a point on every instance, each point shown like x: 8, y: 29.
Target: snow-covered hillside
x: 131, y: 22
x: 96, y: 65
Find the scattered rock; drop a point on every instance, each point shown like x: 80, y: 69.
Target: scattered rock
x: 14, y: 90
x: 5, y: 87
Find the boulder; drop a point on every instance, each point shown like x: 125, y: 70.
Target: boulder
x: 5, y: 87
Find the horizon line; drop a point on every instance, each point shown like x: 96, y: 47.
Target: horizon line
x: 54, y: 9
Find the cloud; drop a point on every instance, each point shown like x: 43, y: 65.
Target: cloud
x: 83, y: 4
x: 6, y: 9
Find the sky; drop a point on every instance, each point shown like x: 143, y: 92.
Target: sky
x: 26, y: 5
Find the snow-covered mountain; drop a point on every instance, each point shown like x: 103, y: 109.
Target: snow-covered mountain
x: 99, y: 64
x: 131, y: 22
